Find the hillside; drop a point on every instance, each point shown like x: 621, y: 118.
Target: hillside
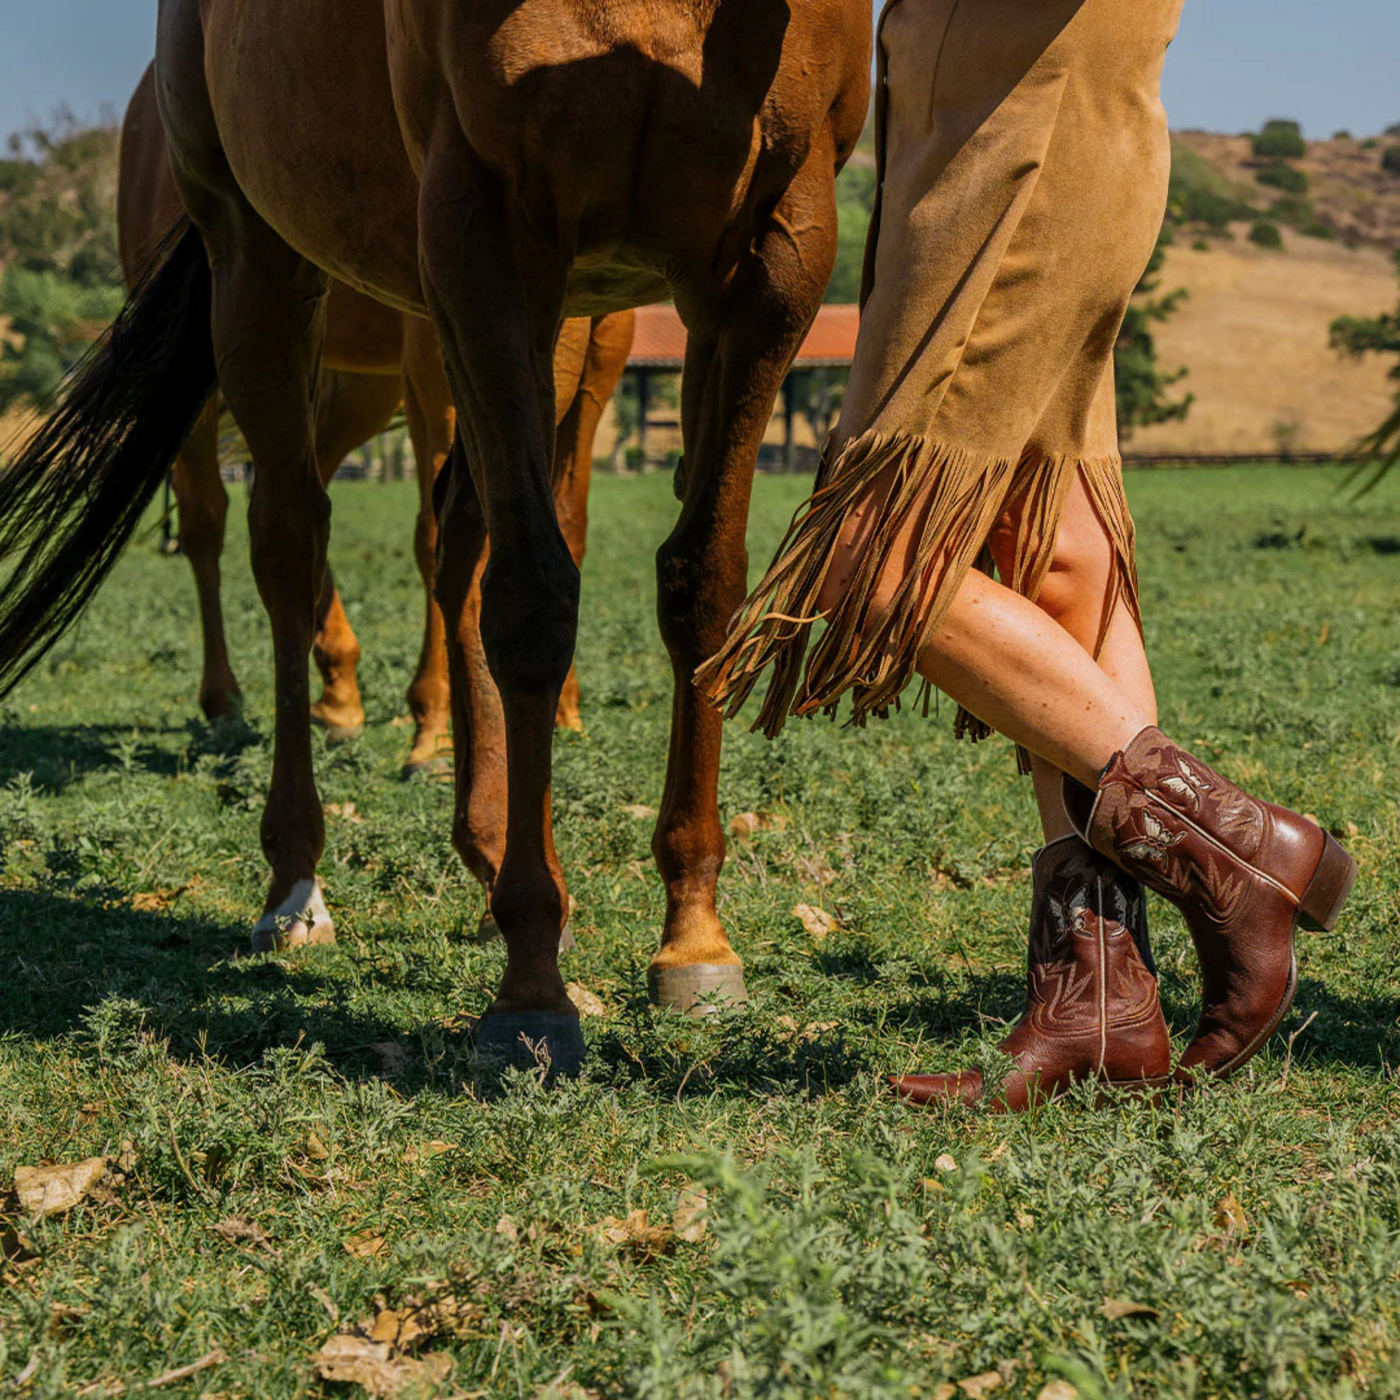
x: 1253, y: 333
x: 1350, y: 192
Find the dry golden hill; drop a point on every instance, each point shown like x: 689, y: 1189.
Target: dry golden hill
x: 1347, y: 186
x: 1253, y: 333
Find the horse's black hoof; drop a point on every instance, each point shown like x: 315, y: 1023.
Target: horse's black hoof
x: 529, y: 1038
x: 698, y: 990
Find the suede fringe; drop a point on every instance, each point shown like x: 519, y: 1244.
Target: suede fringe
x: 947, y: 499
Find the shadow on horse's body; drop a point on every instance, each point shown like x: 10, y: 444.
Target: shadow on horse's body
x: 499, y: 166
x: 374, y: 360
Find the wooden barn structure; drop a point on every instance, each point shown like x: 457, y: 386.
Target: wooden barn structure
x: 658, y: 352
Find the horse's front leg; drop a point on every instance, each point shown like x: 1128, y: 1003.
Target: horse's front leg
x: 496, y: 298
x: 741, y: 345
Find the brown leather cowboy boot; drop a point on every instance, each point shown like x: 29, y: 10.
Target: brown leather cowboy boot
x: 1244, y: 873
x: 1091, y: 994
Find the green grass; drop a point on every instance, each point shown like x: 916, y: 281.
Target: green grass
x: 852, y: 1248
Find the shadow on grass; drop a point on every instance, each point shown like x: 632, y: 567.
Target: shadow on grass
x: 186, y: 977
x: 60, y: 755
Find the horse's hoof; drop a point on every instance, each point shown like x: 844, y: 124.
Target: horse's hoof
x: 439, y: 767
x: 338, y: 729
x: 698, y: 990
x: 301, y: 920
x: 488, y: 930
x: 528, y: 1038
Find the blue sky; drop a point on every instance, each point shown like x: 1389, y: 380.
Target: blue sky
x: 1332, y: 64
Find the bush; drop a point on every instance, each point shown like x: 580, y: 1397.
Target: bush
x: 1200, y: 194
x: 1283, y: 177
x: 1342, y: 135
x: 1266, y: 235
x: 1280, y: 140
x: 1370, y: 144
x: 1390, y: 161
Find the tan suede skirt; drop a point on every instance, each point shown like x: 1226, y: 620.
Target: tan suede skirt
x: 1023, y: 159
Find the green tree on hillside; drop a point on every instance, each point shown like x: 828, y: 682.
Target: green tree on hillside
x: 1375, y: 335
x: 1142, y: 387
x: 60, y: 275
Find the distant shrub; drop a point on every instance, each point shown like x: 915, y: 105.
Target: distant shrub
x: 1283, y: 177
x: 1370, y: 144
x: 1390, y: 161
x: 1343, y: 135
x: 1200, y: 194
x: 1393, y: 129
x: 1202, y: 245
x: 1266, y: 235
x: 1280, y: 140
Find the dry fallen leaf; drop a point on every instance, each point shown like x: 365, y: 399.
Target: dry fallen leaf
x: 435, y: 1148
x: 1058, y: 1390
x: 816, y: 921
x: 315, y: 1148
x: 976, y: 1386
x: 638, y: 1235
x: 237, y: 1229
x: 1229, y: 1214
x: 1114, y: 1308
x: 344, y: 810
x: 365, y: 1244
x: 507, y: 1229
x: 810, y: 1030
x: 359, y: 1361
x: 587, y: 1003
x: 747, y: 825
x: 945, y: 1163
x: 52, y: 1190
x: 688, y: 1219
x: 640, y: 811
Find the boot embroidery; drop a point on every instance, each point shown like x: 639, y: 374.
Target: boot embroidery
x: 1153, y: 843
x: 1186, y: 784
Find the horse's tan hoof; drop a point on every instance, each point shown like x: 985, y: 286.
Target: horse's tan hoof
x: 300, y: 921
x: 529, y: 1038
x: 340, y: 725
x: 701, y: 989
x: 439, y: 767
x: 488, y: 930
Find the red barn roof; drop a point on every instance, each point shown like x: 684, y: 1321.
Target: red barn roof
x: 660, y: 338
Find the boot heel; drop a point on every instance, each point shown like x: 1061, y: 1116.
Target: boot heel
x: 1328, y: 889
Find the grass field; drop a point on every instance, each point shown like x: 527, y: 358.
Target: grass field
x: 303, y: 1146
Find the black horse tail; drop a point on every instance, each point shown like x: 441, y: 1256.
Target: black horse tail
x: 74, y: 495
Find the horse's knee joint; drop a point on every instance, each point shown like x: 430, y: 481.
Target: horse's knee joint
x: 529, y: 623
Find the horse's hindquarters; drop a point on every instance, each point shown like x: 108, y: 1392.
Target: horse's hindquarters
x: 304, y: 116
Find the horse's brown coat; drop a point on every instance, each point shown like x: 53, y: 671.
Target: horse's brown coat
x: 502, y: 165
x: 374, y: 358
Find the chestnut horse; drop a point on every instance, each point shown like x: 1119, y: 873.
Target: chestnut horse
x: 499, y: 166
x: 374, y: 360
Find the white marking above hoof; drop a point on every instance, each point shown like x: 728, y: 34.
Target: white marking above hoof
x: 299, y: 919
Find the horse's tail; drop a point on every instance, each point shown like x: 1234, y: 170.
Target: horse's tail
x: 74, y: 495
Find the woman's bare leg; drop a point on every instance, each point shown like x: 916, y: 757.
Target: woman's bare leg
x: 1079, y: 582
x: 1017, y: 669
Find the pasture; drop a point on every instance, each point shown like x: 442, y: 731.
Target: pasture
x: 310, y: 1176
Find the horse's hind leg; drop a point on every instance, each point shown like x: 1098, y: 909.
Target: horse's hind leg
x: 350, y: 409
x: 431, y: 424
x: 496, y: 296
x: 268, y: 322
x: 202, y: 502
x: 609, y: 344
x: 741, y: 345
